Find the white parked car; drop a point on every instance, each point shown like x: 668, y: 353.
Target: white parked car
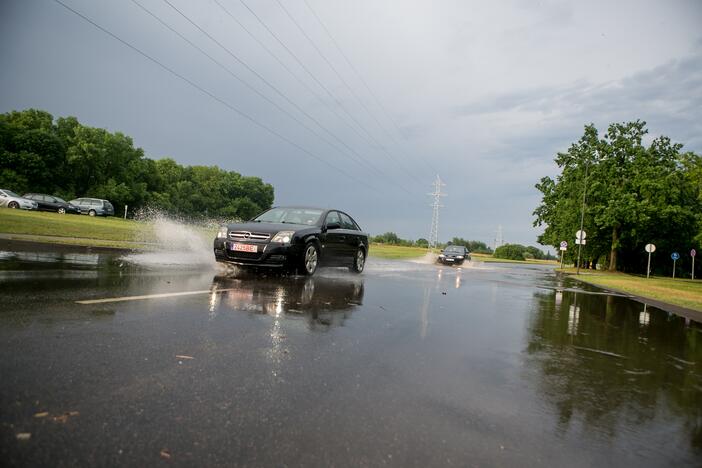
x: 9, y: 199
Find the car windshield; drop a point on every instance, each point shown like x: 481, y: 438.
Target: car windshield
x: 453, y: 249
x: 11, y: 194
x: 60, y: 200
x: 308, y: 216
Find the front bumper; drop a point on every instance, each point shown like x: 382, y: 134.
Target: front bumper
x: 450, y: 260
x: 269, y: 255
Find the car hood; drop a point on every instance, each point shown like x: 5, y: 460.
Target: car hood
x: 268, y: 228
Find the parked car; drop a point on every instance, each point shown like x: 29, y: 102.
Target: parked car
x: 94, y: 206
x: 454, y: 255
x: 294, y: 238
x: 10, y: 199
x: 52, y: 203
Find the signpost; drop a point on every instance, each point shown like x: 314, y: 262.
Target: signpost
x: 675, y: 256
x: 650, y: 248
x: 580, y: 241
x: 564, y: 247
x: 693, y: 252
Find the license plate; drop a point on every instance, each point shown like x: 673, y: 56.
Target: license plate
x: 449, y: 259
x: 244, y: 247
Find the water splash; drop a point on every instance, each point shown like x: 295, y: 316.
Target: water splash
x: 174, y: 243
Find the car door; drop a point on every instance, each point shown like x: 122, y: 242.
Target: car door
x: 352, y: 237
x: 333, y: 239
x: 43, y: 202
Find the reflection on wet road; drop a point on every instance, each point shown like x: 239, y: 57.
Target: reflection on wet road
x: 406, y: 365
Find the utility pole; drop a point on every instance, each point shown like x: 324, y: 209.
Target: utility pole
x: 582, y: 215
x: 434, y: 232
x: 498, y: 238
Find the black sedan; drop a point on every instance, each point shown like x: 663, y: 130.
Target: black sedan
x: 294, y: 238
x: 454, y: 255
x: 52, y: 203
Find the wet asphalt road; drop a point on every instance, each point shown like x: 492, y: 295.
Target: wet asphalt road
x: 408, y: 364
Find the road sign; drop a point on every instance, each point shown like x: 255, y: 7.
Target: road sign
x: 693, y: 252
x: 581, y: 235
x: 580, y: 242
x: 675, y: 256
x: 650, y: 248
x: 564, y: 245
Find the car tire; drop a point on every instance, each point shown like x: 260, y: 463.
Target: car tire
x: 91, y: 213
x: 61, y: 210
x: 310, y: 259
x: 359, y: 261
x: 13, y: 205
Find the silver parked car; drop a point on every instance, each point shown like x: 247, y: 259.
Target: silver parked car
x: 9, y: 199
x: 94, y: 206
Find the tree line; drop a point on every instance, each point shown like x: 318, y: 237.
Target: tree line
x: 391, y: 238
x: 634, y: 194
x: 66, y: 158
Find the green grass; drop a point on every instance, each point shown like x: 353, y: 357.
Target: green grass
x: 396, y: 252
x: 682, y: 292
x: 488, y: 258
x: 81, y: 230
x: 36, y: 223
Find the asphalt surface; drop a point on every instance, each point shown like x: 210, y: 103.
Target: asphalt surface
x: 109, y: 360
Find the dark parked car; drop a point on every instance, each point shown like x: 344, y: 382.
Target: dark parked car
x: 94, y: 206
x: 294, y: 238
x: 51, y: 203
x: 454, y: 255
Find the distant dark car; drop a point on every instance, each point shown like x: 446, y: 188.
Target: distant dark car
x: 10, y: 199
x: 94, y: 206
x: 52, y: 203
x: 294, y: 238
x: 454, y: 255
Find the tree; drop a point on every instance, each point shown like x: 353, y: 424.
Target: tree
x: 510, y: 252
x: 634, y: 195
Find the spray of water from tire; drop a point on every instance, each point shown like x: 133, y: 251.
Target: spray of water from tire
x: 172, y: 242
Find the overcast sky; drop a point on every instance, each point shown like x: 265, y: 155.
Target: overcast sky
x: 359, y: 104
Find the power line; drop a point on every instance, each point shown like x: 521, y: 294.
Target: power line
x: 343, y: 81
x: 235, y: 76
x: 307, y: 70
x: 365, y: 84
x: 302, y: 82
x: 250, y: 69
x: 213, y: 96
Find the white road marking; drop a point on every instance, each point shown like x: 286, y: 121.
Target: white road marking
x: 152, y: 296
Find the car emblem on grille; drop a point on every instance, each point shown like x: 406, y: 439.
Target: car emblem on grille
x: 247, y: 235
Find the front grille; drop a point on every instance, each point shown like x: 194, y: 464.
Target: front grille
x: 246, y: 235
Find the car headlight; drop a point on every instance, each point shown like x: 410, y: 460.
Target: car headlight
x: 441, y: 255
x: 460, y: 257
x: 284, y: 237
x: 222, y: 234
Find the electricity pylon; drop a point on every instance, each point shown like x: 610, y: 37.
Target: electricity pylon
x: 434, y: 233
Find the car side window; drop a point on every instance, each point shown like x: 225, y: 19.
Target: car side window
x: 347, y: 222
x: 332, y: 217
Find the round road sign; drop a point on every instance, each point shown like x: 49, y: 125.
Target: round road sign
x: 650, y: 248
x: 580, y: 235
x: 564, y: 244
x: 693, y: 252
x: 675, y: 255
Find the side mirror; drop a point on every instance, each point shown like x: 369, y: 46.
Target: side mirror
x: 333, y: 226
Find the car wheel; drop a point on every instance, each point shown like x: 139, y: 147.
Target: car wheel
x: 62, y: 210
x: 91, y: 213
x: 310, y: 259
x: 359, y: 261
x: 13, y: 204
